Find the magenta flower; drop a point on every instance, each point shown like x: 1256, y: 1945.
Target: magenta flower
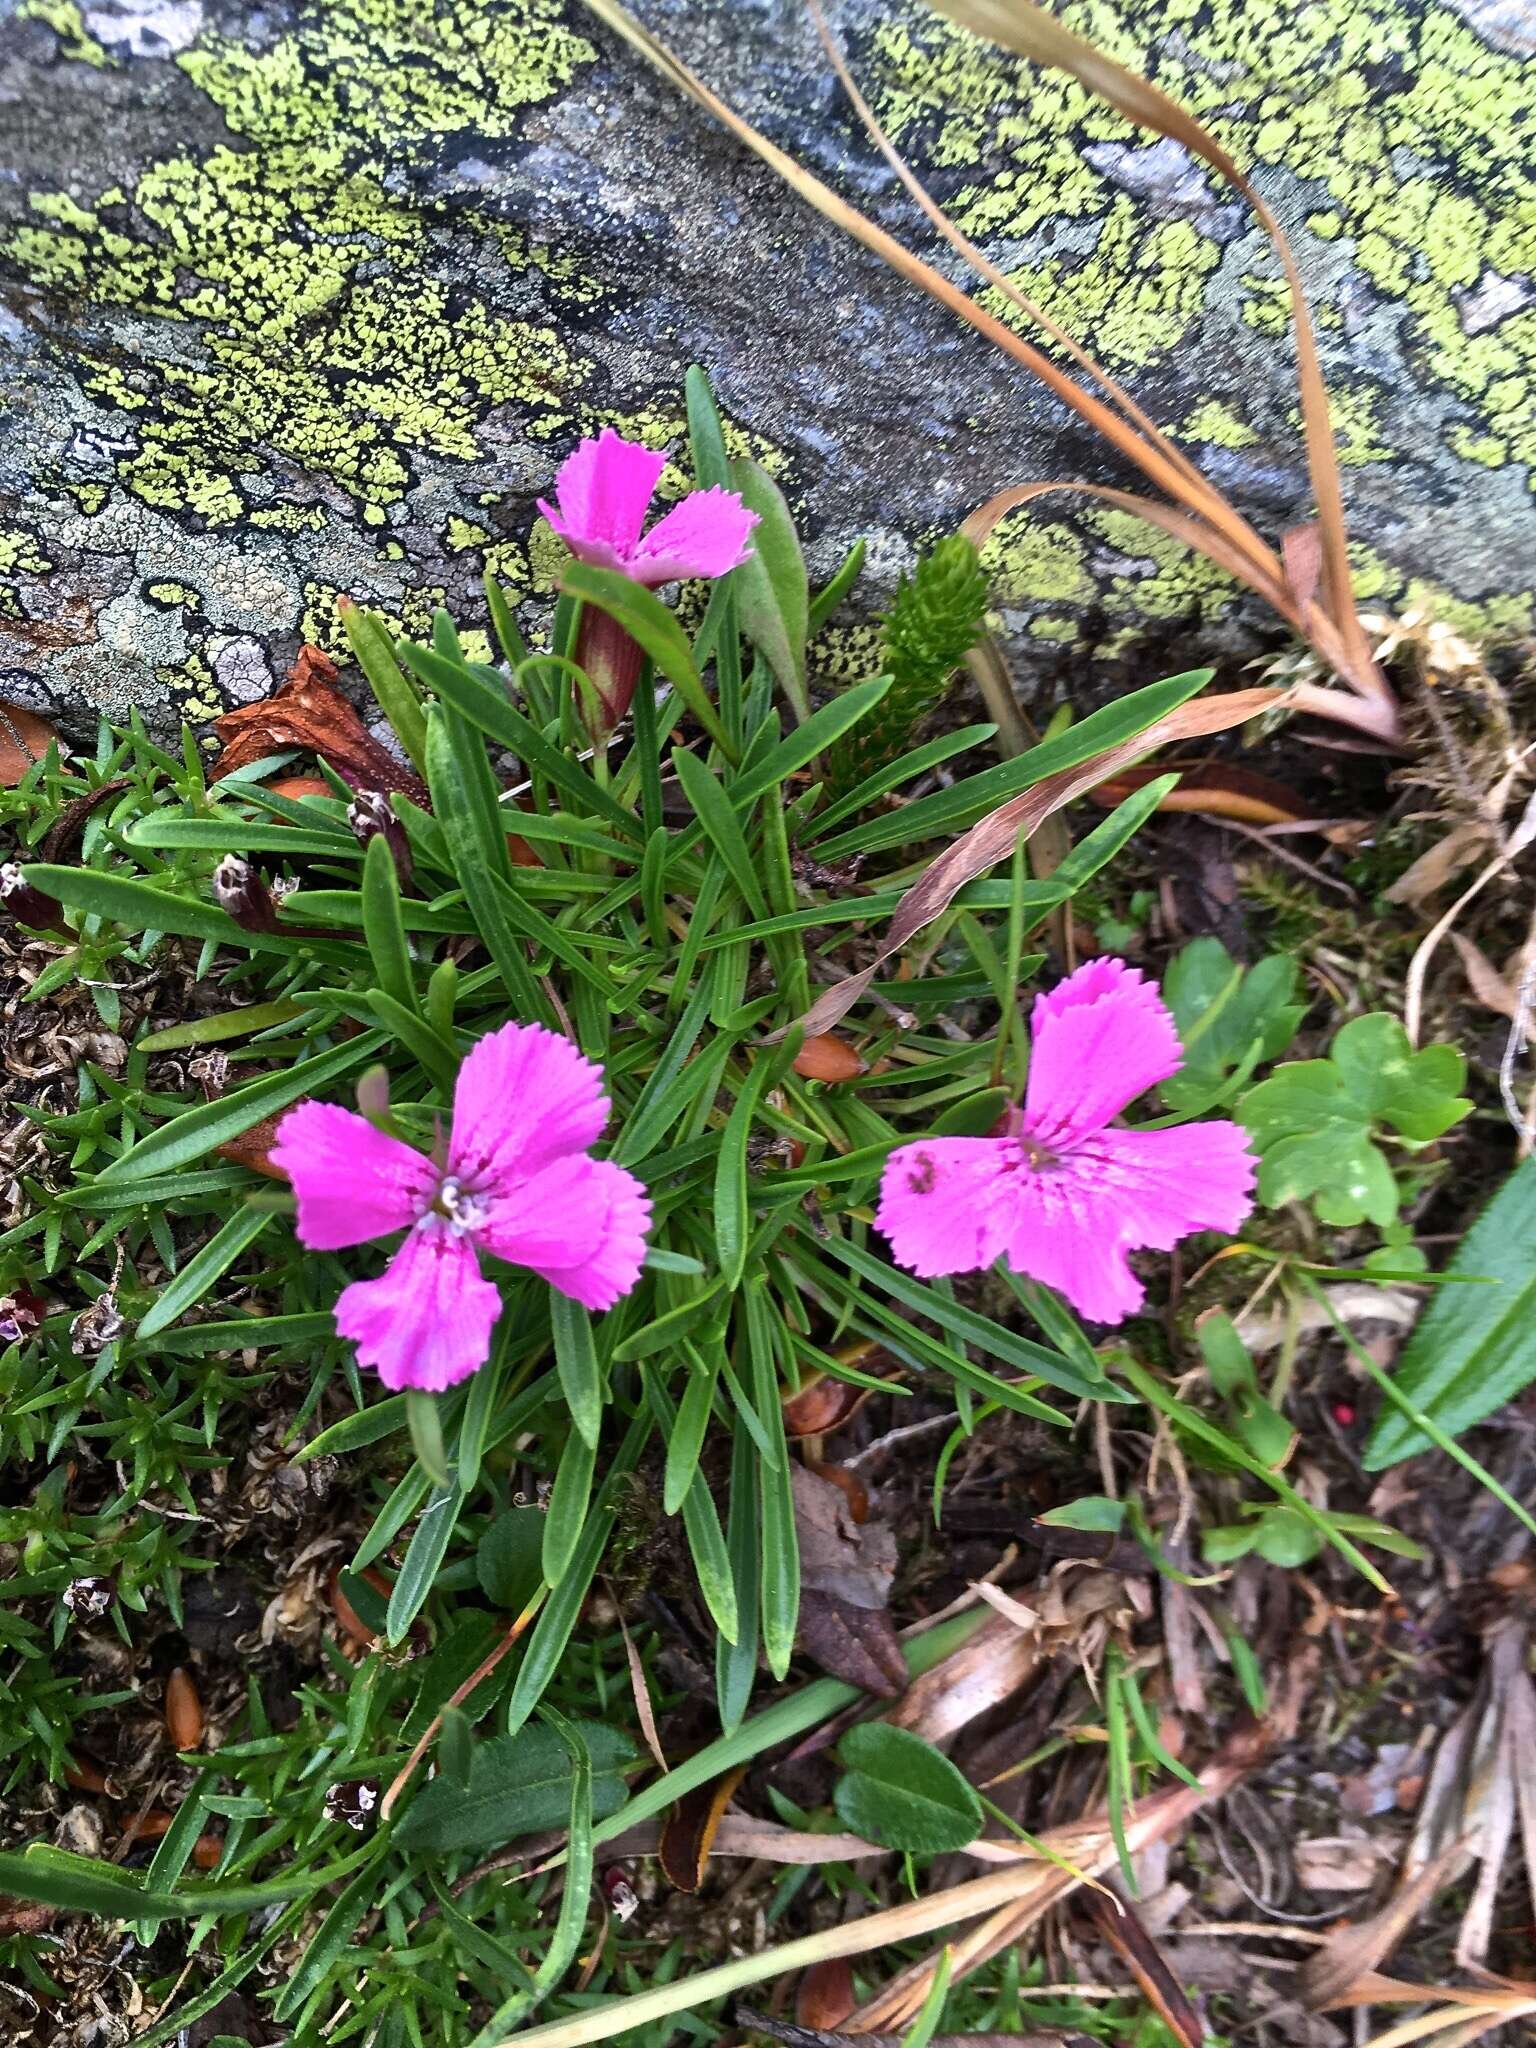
x: 515, y: 1178
x: 604, y: 491
x: 1057, y: 1192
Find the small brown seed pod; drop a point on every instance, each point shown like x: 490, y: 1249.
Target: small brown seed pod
x: 183, y: 1710
x: 826, y: 1057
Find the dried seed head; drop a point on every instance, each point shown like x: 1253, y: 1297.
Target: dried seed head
x: 26, y: 904
x: 210, y: 1070
x: 353, y: 1803
x: 372, y: 816
x: 88, y: 1599
x: 238, y: 889
x: 183, y: 1710
x: 96, y: 1327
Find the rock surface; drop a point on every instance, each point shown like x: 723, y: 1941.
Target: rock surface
x: 311, y: 298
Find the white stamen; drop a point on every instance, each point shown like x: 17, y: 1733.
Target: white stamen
x: 465, y: 1210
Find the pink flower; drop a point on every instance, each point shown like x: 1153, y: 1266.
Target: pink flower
x: 1057, y: 1192
x: 604, y: 491
x: 516, y: 1180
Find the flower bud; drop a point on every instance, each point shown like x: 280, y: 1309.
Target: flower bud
x: 372, y: 816
x: 21, y: 1311
x: 352, y: 1803
x: 238, y: 889
x: 623, y: 1899
x: 27, y: 905
x: 88, y: 1599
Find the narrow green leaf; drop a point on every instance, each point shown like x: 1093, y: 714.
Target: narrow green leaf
x: 771, y: 584
x: 581, y: 1374
x: 392, y: 688
x: 552, y: 1632
x: 736, y: 1663
x: 241, y: 1023
x: 566, y: 1518
x: 197, y: 1131
x: 383, y: 926
x: 423, y: 1558
x: 714, y: 811
x: 950, y: 810
x: 203, y: 1269
x: 781, y: 1542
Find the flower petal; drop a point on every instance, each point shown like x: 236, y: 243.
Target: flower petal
x: 352, y: 1180
x: 1064, y: 1236
x: 1120, y: 1191
x: 1165, y: 1184
x: 524, y: 1097
x: 704, y: 535
x: 609, y: 1269
x: 1099, y: 1039
x: 556, y: 1217
x: 426, y: 1321
x: 604, y: 488
x: 947, y: 1204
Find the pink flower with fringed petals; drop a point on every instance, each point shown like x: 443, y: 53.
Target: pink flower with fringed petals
x: 516, y: 1180
x: 603, y: 492
x: 1057, y: 1192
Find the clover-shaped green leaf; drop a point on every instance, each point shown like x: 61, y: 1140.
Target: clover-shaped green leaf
x: 1315, y: 1122
x: 1227, y: 1016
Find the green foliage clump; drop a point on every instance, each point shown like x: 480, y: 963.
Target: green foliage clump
x: 935, y: 619
x: 1317, y: 1124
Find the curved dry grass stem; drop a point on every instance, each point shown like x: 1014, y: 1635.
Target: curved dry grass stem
x: 1021, y: 26
x: 1207, y: 521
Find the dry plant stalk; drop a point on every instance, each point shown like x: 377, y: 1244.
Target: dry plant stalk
x: 1022, y: 1893
x: 993, y: 837
x: 1088, y: 1846
x: 1306, y: 580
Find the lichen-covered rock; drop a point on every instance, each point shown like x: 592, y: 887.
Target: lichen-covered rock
x: 310, y: 299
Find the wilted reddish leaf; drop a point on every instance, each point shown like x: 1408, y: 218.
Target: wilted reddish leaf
x: 67, y: 826
x: 253, y: 1147
x: 855, y: 1644
x: 994, y: 837
x: 838, y: 1554
x: 821, y: 1405
x: 1121, y: 1926
x: 848, y: 1484
x: 24, y: 738
x: 1222, y: 789
x: 308, y: 711
x: 824, y: 1997
x: 689, y: 1831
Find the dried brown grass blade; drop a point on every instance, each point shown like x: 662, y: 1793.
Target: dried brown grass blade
x: 1027, y: 1884
x: 993, y: 838
x: 1168, y: 471
x: 1329, y: 1977
x: 1021, y: 26
x: 1121, y: 1926
x: 1266, y: 578
x: 1005, y: 286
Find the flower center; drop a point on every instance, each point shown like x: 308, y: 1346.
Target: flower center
x: 464, y: 1209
